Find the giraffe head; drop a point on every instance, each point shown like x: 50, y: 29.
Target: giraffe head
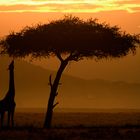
x: 11, y: 66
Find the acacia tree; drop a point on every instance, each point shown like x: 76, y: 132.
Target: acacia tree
x: 69, y: 39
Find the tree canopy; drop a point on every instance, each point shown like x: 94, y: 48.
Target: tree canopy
x: 71, y: 36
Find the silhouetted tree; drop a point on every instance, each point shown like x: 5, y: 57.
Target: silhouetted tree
x: 69, y: 39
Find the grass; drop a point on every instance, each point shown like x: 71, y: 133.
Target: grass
x: 75, y: 126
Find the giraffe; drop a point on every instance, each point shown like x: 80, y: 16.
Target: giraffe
x: 7, y: 104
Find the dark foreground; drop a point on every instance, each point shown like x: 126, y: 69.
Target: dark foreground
x: 75, y: 126
x: 94, y: 133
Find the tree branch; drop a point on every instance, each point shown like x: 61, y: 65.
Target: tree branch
x: 50, y: 81
x: 69, y: 57
x: 55, y: 105
x: 73, y: 56
x: 56, y: 94
x: 59, y: 57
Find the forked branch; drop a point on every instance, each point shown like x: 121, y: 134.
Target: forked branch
x: 59, y: 57
x: 55, y: 105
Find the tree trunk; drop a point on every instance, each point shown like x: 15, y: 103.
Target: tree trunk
x: 53, y: 93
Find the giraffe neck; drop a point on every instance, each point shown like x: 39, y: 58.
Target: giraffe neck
x: 11, y: 81
x: 11, y: 91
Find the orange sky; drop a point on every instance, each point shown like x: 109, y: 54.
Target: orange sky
x: 69, y: 5
x: 16, y: 14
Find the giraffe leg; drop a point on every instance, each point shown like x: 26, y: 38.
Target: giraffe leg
x: 8, y: 121
x: 2, y: 118
x: 12, y: 117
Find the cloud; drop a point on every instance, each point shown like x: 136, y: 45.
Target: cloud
x: 49, y: 8
x: 70, y: 7
x: 130, y: 6
x: 17, y: 7
x: 127, y: 1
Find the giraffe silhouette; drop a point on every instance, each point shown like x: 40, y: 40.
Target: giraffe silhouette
x: 7, y: 104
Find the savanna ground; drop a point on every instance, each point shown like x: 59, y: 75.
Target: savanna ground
x: 75, y: 126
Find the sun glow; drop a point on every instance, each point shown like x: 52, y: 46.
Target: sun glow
x: 68, y: 5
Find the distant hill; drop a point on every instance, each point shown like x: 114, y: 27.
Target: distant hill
x: 32, y: 89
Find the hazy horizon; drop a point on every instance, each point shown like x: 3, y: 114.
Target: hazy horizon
x: 32, y: 90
